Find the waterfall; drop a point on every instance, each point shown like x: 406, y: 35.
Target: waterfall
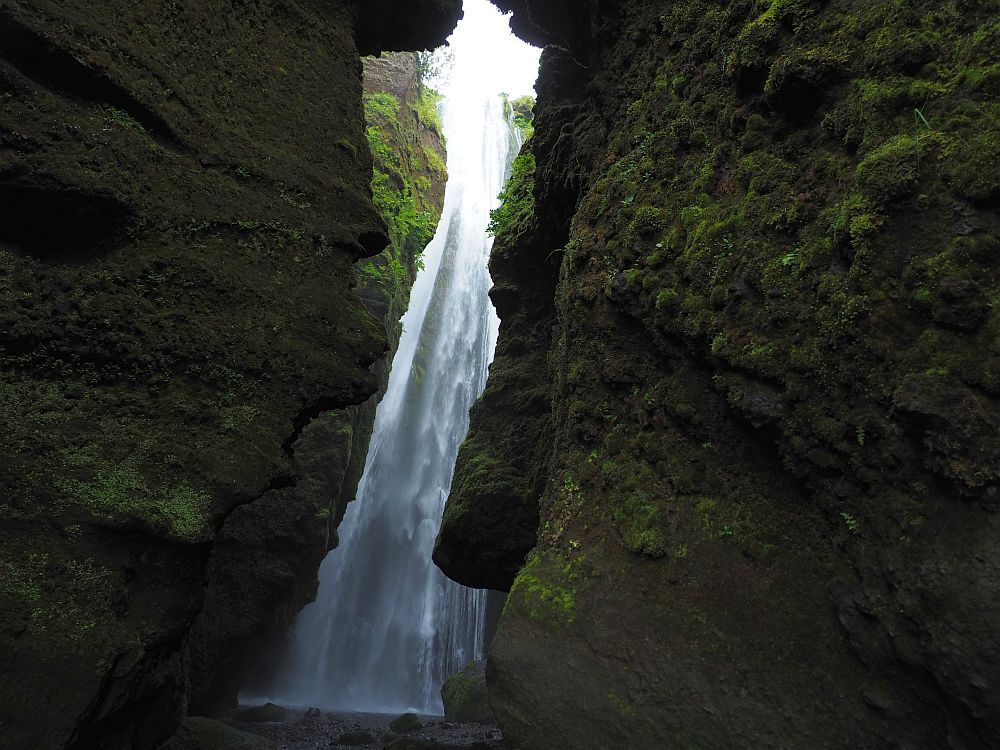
x: 387, y: 626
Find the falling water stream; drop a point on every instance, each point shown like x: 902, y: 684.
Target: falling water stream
x: 387, y: 626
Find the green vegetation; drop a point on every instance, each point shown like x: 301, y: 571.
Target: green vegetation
x: 61, y: 597
x: 546, y: 588
x: 121, y: 118
x: 641, y: 527
x: 851, y: 523
x: 517, y: 199
x: 522, y: 113
x: 120, y: 493
x: 404, y: 170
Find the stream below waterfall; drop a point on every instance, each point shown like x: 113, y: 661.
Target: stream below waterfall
x: 387, y: 627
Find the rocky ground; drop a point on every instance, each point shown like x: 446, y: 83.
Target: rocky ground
x: 302, y: 730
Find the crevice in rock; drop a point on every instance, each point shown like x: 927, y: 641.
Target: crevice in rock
x: 57, y: 221
x: 43, y: 62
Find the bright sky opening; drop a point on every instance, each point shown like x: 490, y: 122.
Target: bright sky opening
x: 493, y: 59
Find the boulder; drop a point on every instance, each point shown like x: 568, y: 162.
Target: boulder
x: 356, y: 739
x: 260, y: 714
x: 465, y: 696
x: 405, y: 723
x: 198, y: 733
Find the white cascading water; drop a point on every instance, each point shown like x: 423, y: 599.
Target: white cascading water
x: 387, y: 626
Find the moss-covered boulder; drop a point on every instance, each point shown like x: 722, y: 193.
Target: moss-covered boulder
x: 768, y: 363
x: 267, y: 712
x: 408, y: 722
x: 199, y: 733
x: 465, y: 697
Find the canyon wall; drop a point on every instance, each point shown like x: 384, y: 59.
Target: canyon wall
x: 184, y: 193
x: 265, y: 559
x: 739, y: 459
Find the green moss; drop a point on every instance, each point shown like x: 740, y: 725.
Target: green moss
x: 972, y: 162
x: 522, y: 114
x: 665, y: 298
x: 640, y: 524
x: 60, y: 597
x: 404, y: 165
x: 757, y: 36
x: 854, y: 219
x: 382, y: 106
x: 121, y: 493
x: 428, y: 101
x: 121, y: 118
x: 465, y: 696
x: 517, y: 198
x: 546, y: 589
x: 890, y: 171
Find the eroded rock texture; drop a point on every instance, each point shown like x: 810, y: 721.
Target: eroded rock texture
x: 266, y: 557
x: 754, y: 286
x: 184, y: 189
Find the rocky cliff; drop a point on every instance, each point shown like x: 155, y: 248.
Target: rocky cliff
x: 266, y: 556
x: 184, y: 192
x: 739, y: 458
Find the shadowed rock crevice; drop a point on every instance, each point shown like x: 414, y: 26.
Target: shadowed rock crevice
x: 85, y: 220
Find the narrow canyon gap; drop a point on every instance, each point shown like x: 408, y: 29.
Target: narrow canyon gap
x: 388, y: 627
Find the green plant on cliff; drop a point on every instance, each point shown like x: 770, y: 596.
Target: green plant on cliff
x: 61, y: 597
x: 641, y: 527
x: 516, y: 199
x: 427, y: 109
x: 121, y: 118
x: 546, y: 589
x: 399, y: 196
x: 119, y: 492
x: 521, y: 112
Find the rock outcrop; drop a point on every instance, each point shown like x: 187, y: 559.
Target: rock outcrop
x: 184, y: 192
x: 753, y: 289
x: 267, y: 554
x: 465, y: 696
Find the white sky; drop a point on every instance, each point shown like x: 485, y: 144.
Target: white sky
x: 488, y: 57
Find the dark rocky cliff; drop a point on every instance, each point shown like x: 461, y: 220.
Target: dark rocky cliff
x: 751, y: 346
x: 266, y: 556
x: 184, y: 191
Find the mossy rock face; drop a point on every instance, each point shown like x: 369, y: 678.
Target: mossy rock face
x: 266, y: 557
x: 764, y: 453
x: 491, y: 516
x: 465, y: 696
x: 199, y: 733
x: 405, y: 723
x: 164, y: 344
